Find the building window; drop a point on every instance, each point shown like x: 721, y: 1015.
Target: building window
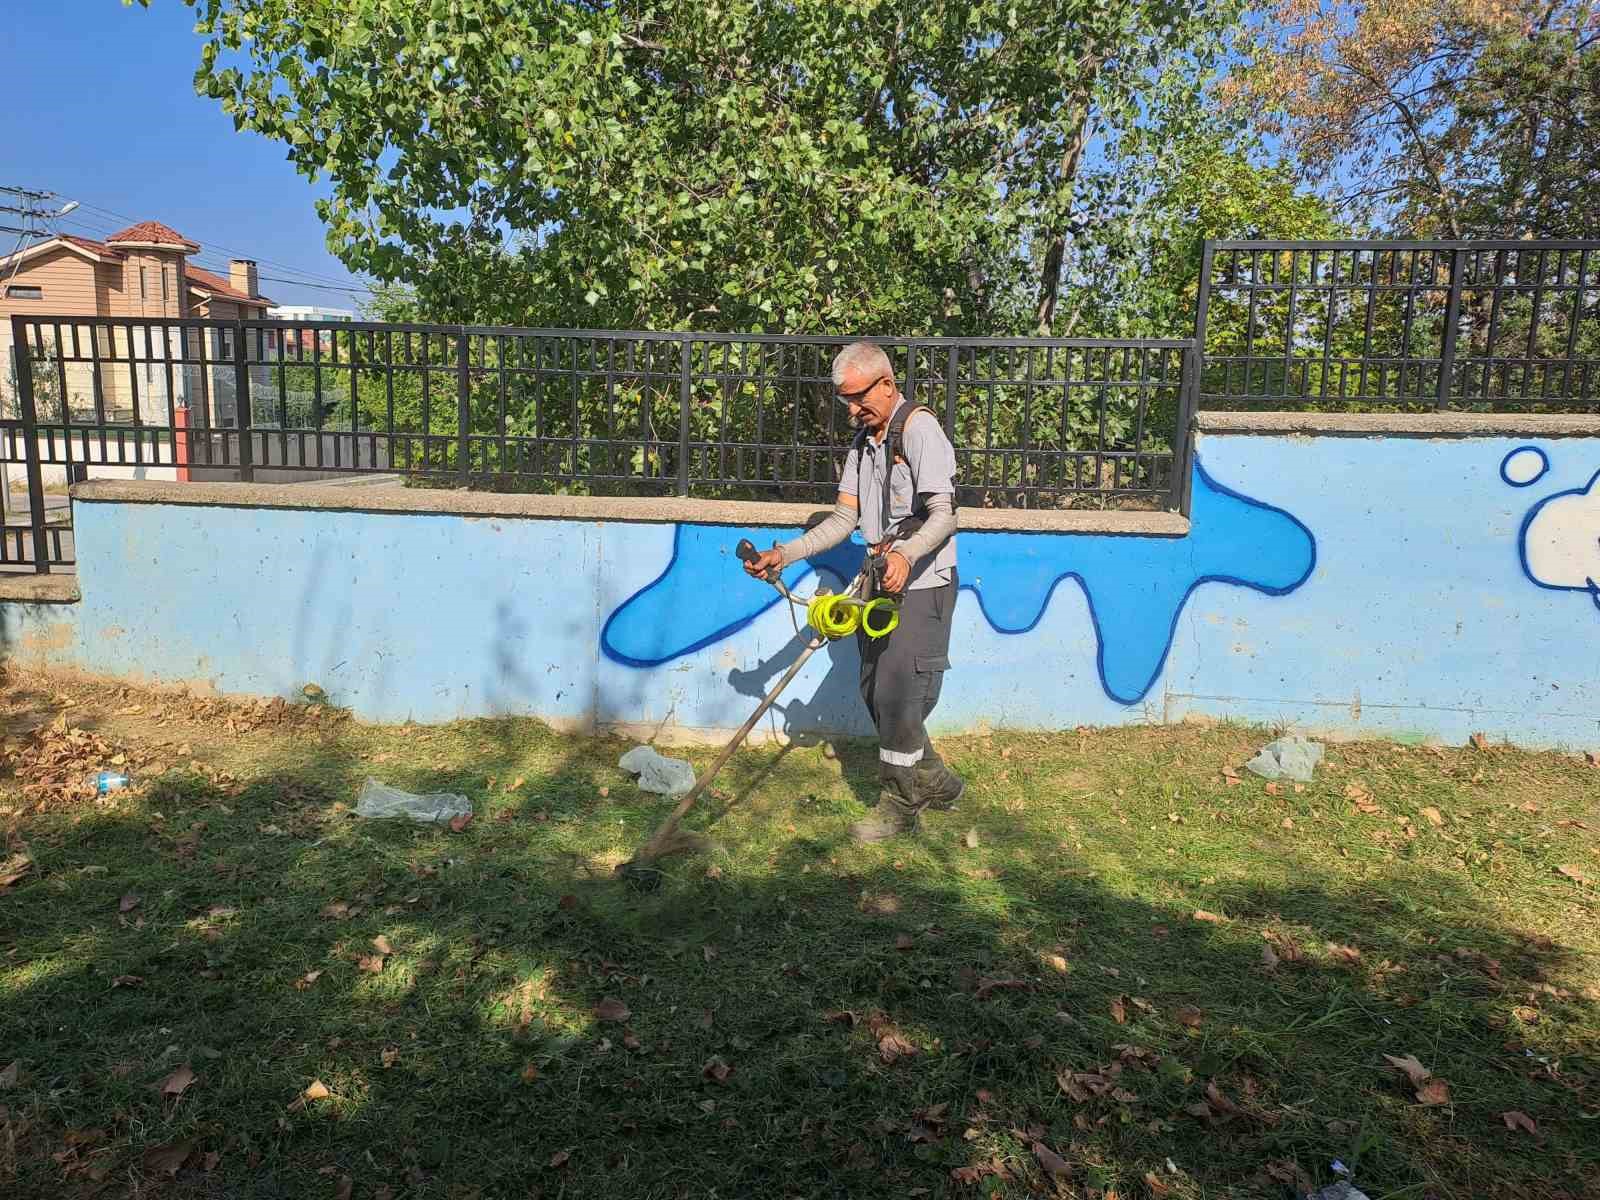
x: 20, y: 291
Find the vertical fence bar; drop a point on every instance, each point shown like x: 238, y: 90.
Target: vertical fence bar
x: 463, y: 406
x: 1188, y: 405
x: 241, y: 406
x: 1202, y: 310
x: 686, y: 358
x: 30, y: 438
x: 1452, y: 318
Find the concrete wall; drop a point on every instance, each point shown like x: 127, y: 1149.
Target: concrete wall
x: 1355, y: 578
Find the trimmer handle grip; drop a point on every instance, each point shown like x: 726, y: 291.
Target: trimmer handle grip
x: 747, y: 553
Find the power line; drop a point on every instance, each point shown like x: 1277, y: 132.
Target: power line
x: 328, y: 279
x: 207, y: 263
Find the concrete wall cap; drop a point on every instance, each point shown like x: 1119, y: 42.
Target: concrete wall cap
x: 652, y: 510
x: 1417, y: 425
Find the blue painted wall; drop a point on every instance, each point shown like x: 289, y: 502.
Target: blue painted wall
x: 1363, y: 584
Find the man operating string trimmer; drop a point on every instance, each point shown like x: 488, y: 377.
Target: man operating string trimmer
x: 901, y: 469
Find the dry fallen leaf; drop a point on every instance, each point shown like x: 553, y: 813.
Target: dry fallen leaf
x: 1414, y: 1070
x: 1056, y: 963
x: 306, y: 980
x: 1480, y: 741
x: 180, y: 1079
x: 559, y: 1158
x: 1119, y: 1011
x: 457, y: 824
x: 14, y: 868
x: 165, y: 1160
x: 904, y: 942
x: 1520, y: 1120
x: 971, y: 839
x: 1435, y: 1091
x: 128, y: 981
x: 1189, y: 1015
x: 1348, y: 955
x: 892, y: 1047
x: 317, y: 1090
x: 1269, y: 958
x: 612, y: 1010
x: 1218, y: 1101
x: 1435, y: 817
x: 1052, y: 1163
x: 1156, y: 1186
x: 1209, y: 917
x: 1572, y: 872
x: 342, y: 1191
x: 382, y: 946
x: 390, y: 1056
x: 716, y: 1070
x: 128, y: 903
x: 371, y: 964
x: 8, y: 1077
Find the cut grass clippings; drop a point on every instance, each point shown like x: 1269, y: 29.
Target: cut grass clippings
x: 1124, y: 966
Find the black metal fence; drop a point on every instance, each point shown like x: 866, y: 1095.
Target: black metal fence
x: 1036, y: 422
x: 1352, y: 326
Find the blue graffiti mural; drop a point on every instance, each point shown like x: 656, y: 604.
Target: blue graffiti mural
x: 1558, y: 543
x: 1136, y: 587
x: 1524, y: 466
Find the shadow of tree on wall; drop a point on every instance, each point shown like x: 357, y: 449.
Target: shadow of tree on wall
x: 870, y: 1006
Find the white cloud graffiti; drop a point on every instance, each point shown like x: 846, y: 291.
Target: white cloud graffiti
x: 1560, y: 544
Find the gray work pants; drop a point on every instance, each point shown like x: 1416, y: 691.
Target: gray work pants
x: 901, y: 676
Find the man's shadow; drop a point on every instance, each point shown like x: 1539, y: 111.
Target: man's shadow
x: 833, y: 715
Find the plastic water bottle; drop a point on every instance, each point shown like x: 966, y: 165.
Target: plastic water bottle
x: 108, y: 781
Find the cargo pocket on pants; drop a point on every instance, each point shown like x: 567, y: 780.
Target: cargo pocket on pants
x: 930, y: 675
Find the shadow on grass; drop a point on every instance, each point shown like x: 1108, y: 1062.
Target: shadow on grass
x: 893, y: 1021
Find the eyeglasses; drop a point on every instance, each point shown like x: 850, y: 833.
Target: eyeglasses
x: 859, y: 397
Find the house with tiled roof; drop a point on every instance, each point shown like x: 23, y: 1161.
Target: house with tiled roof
x: 140, y: 272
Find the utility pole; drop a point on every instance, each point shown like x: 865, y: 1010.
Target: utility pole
x: 28, y: 213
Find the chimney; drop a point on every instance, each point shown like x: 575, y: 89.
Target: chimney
x: 242, y: 276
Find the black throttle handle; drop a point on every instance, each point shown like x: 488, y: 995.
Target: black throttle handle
x: 748, y: 553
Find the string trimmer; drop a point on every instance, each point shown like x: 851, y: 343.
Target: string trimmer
x: 830, y: 615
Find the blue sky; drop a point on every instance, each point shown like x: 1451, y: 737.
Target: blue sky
x: 138, y: 144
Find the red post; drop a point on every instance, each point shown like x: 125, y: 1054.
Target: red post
x: 180, y: 442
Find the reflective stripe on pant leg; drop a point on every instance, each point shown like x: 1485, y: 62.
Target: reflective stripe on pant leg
x: 902, y: 692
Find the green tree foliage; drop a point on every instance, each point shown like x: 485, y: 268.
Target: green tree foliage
x: 873, y: 165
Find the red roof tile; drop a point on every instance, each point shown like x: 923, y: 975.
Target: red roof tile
x: 219, y: 287
x: 89, y: 244
x: 152, y: 231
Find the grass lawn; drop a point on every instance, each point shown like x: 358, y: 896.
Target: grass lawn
x: 1118, y: 970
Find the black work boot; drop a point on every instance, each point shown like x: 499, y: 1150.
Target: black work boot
x: 887, y: 822
x: 937, y: 785
x: 940, y: 788
x: 898, y: 808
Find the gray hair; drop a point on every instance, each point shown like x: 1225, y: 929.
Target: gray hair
x: 864, y: 357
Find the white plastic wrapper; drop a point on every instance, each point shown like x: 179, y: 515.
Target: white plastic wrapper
x: 378, y: 800
x: 669, y: 776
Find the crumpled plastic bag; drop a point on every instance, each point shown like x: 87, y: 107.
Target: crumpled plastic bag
x: 379, y: 800
x: 1292, y: 757
x: 669, y: 776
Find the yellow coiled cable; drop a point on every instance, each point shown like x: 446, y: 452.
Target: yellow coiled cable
x: 835, y: 615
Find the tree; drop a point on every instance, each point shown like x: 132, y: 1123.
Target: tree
x: 1453, y: 118
x: 873, y: 165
